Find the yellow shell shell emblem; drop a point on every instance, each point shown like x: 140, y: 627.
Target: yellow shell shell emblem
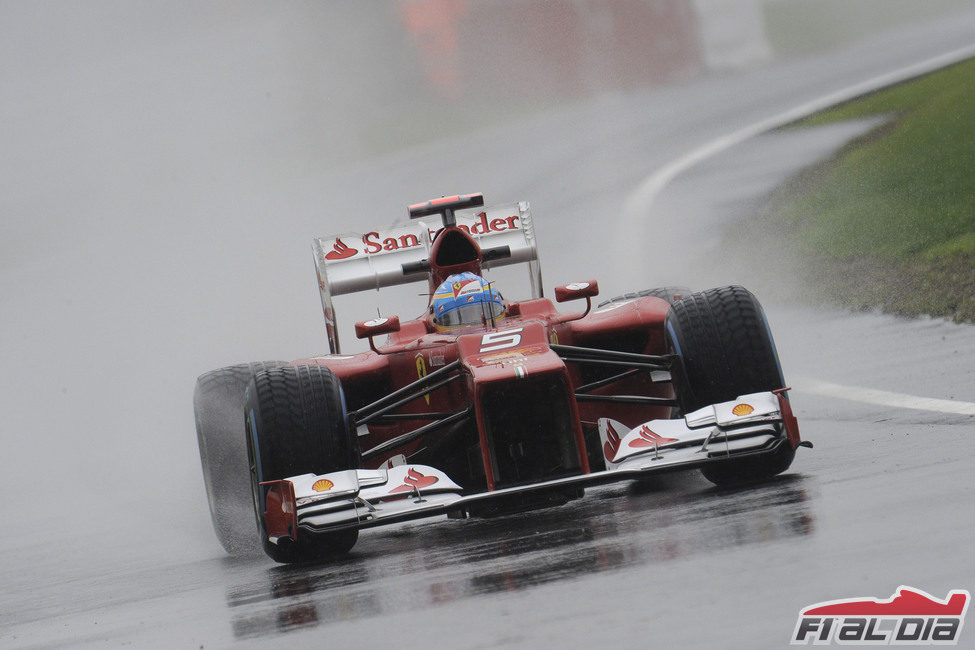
x: 322, y: 485
x: 742, y: 409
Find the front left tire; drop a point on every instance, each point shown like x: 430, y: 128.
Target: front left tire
x: 726, y: 349
x: 218, y: 406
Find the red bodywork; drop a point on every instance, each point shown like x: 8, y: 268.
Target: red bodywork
x: 509, y: 376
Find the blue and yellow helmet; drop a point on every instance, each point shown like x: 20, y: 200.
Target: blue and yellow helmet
x: 466, y: 299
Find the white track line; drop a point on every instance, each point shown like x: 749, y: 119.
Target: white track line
x: 882, y: 397
x: 638, y: 205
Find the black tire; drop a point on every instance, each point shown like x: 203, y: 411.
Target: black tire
x: 736, y: 471
x: 297, y: 424
x: 726, y: 349
x: 666, y: 293
x: 218, y: 404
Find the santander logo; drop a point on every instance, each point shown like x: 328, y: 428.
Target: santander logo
x: 414, y: 480
x: 649, y: 438
x: 386, y: 241
x: 341, y: 251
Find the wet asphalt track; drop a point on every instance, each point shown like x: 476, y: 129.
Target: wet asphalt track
x: 884, y: 499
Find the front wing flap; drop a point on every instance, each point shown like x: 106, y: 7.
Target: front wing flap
x: 716, y: 431
x: 754, y: 424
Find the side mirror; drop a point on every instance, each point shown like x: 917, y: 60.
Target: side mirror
x: 577, y: 290
x: 370, y: 328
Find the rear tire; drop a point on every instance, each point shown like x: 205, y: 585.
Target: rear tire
x: 726, y: 350
x: 670, y: 294
x: 297, y: 424
x: 218, y: 404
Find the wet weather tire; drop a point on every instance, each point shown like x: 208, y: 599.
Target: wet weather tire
x: 670, y: 294
x: 745, y: 470
x: 297, y: 424
x: 726, y: 350
x: 218, y: 404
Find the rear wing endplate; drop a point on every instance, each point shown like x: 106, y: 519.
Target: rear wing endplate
x: 352, y: 262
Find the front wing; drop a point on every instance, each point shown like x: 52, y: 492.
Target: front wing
x: 752, y: 425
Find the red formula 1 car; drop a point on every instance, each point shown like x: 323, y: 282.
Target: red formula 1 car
x: 482, y: 406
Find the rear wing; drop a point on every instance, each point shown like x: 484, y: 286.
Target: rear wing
x: 352, y: 262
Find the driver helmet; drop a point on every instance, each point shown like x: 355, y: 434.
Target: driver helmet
x: 466, y: 299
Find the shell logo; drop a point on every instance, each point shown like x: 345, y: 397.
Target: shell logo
x: 742, y: 409
x: 322, y: 485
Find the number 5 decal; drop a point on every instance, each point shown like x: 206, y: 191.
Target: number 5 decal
x: 501, y: 340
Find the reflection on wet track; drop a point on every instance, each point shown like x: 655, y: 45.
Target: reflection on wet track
x: 423, y: 565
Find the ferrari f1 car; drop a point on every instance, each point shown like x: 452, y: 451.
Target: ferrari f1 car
x: 483, y: 406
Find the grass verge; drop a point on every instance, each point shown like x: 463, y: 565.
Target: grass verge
x: 890, y: 222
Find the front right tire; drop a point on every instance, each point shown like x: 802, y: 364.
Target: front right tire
x: 297, y: 424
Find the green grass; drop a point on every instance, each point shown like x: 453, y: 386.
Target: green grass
x: 897, y: 207
x: 909, y: 188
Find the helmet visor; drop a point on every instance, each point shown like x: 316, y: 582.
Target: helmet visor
x: 472, y: 314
